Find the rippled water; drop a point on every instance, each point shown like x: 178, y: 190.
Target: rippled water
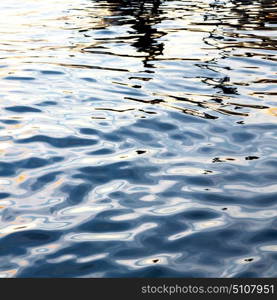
x: 138, y: 138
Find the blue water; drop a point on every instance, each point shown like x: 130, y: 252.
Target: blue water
x: 138, y: 139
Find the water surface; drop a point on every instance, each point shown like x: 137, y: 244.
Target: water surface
x: 138, y: 138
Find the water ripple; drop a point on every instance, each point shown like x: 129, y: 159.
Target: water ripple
x: 138, y: 138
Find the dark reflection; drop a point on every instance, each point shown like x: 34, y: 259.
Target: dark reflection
x: 145, y: 15
x: 248, y: 18
x: 243, y: 15
x: 257, y: 13
x: 229, y: 28
x: 146, y: 19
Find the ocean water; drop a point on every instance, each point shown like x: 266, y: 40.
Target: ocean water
x: 138, y: 138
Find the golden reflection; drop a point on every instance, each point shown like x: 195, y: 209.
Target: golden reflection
x: 262, y: 116
x: 23, y: 263
x: 272, y: 111
x: 8, y: 273
x: 21, y: 178
x: 58, y: 182
x: 15, y: 126
x: 4, y: 146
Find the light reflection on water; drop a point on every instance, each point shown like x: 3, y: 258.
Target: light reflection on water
x: 138, y: 138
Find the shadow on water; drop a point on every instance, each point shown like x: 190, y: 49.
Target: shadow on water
x: 145, y: 16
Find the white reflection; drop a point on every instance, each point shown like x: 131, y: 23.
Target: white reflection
x: 110, y: 187
x: 61, y: 259
x: 248, y: 188
x: 198, y: 226
x: 171, y: 209
x: 246, y: 260
x: 240, y: 212
x: 272, y: 248
x: 158, y: 259
x: 91, y: 258
x: 185, y: 170
x: 5, y: 182
x: 180, y: 235
x: 126, y: 217
x: 85, y: 209
x: 110, y: 236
